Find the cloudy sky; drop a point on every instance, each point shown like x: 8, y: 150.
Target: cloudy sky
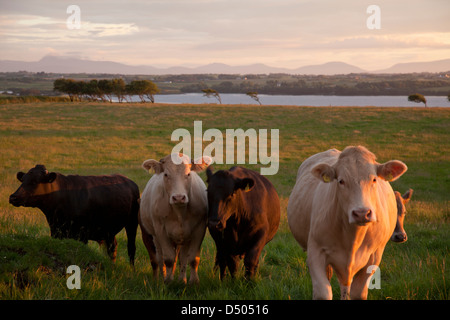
x: 279, y: 33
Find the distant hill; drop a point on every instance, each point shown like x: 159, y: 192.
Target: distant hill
x: 59, y: 64
x: 329, y: 68
x: 410, y: 67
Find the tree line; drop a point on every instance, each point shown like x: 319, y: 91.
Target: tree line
x: 302, y: 87
x: 105, y: 89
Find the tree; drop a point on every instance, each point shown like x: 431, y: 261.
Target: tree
x: 118, y: 88
x: 212, y: 93
x: 143, y: 89
x: 254, y: 96
x: 106, y: 88
x: 417, y: 97
x: 92, y: 91
x: 69, y: 86
x: 448, y: 97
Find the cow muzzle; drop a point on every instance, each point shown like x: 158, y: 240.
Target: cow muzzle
x: 179, y: 199
x: 399, y: 237
x: 362, y: 216
x: 15, y: 200
x: 216, y: 224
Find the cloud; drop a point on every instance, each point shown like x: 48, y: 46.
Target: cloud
x: 39, y: 28
x: 194, y: 32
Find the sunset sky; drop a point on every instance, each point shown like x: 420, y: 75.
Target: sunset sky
x: 279, y: 33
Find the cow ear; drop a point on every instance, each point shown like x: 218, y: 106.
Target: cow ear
x: 209, y: 173
x: 391, y: 170
x: 153, y: 164
x: 245, y: 184
x: 324, y: 172
x: 50, y: 177
x: 200, y: 164
x: 20, y: 176
x: 407, y: 196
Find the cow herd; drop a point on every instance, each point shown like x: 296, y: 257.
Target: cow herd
x: 342, y: 211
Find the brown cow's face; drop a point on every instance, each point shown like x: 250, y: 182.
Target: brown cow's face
x: 356, y: 175
x: 222, y: 192
x: 177, y: 177
x: 399, y: 234
x: 35, y: 182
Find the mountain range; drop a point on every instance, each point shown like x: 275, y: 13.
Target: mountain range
x: 61, y: 64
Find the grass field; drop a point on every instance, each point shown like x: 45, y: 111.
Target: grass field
x: 97, y: 138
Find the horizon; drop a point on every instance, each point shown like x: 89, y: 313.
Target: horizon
x: 281, y: 34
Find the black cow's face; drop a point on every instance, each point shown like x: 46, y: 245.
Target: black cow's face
x: 34, y: 183
x: 222, y: 192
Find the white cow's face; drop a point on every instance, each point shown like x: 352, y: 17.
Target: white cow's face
x: 176, y: 170
x: 356, y: 175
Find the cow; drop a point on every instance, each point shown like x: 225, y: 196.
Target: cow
x: 243, y: 216
x: 82, y: 207
x: 399, y: 234
x: 342, y: 211
x: 173, y: 214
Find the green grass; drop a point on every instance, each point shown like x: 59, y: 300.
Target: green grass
x: 96, y: 138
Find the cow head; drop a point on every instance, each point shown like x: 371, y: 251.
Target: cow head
x: 176, y: 170
x: 399, y: 234
x: 36, y: 182
x: 356, y: 175
x: 222, y: 190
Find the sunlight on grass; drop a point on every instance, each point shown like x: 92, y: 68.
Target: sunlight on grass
x: 96, y: 138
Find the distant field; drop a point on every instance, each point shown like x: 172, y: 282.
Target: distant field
x: 96, y: 138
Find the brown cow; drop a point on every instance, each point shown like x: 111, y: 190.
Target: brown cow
x: 173, y: 214
x: 342, y: 210
x: 399, y: 234
x: 243, y: 216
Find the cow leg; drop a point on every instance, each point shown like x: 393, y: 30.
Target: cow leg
x: 222, y: 263
x: 184, y: 252
x: 345, y: 276
x: 131, y: 230
x: 189, y: 254
x: 318, y: 271
x: 159, y: 258
x: 193, y: 257
x: 360, y: 282
x: 233, y: 264
x: 151, y: 249
x: 111, y: 248
x: 170, y: 261
x: 251, y: 259
x: 166, y: 253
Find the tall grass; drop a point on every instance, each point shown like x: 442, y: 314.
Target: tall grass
x: 99, y: 138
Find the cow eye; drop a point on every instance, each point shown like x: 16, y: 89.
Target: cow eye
x: 341, y: 182
x: 165, y: 175
x: 374, y: 180
x: 189, y: 174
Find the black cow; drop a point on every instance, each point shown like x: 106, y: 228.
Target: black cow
x: 243, y: 215
x: 82, y: 207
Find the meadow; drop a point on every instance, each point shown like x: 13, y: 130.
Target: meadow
x: 102, y: 138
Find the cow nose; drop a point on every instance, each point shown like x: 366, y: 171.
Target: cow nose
x: 363, y: 215
x: 14, y: 200
x: 215, y: 224
x: 399, y: 237
x: 179, y: 198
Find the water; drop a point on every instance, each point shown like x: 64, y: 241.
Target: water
x: 315, y: 101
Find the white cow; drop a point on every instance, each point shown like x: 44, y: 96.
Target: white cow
x: 343, y: 211
x: 173, y: 215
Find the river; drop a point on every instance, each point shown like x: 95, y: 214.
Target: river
x: 315, y: 101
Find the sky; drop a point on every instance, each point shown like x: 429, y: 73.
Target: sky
x: 278, y: 33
